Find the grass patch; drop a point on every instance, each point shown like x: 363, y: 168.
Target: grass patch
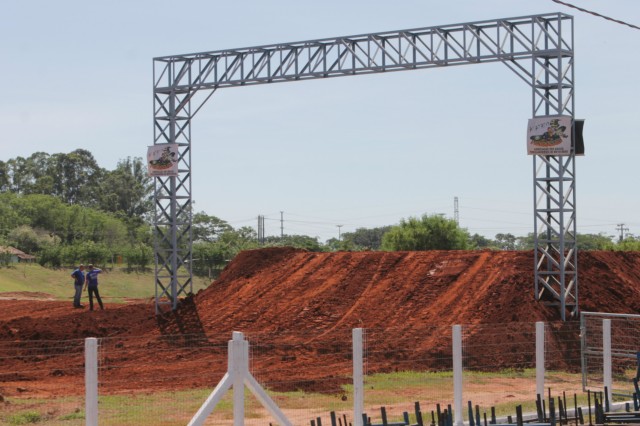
x: 24, y: 418
x: 78, y: 415
x: 115, y: 285
x: 395, y: 391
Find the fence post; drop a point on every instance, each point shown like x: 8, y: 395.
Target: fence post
x: 540, y: 358
x: 358, y: 377
x: 606, y: 356
x: 238, y: 358
x: 583, y: 350
x: 238, y: 376
x: 457, y: 374
x: 91, y: 381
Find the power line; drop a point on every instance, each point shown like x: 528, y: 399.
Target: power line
x: 617, y: 21
x: 621, y: 228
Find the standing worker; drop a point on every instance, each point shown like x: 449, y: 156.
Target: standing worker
x: 92, y: 286
x: 78, y: 280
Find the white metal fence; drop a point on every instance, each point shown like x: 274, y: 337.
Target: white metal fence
x: 621, y: 355
x: 489, y: 365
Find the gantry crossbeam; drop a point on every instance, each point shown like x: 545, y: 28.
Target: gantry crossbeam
x: 539, y: 49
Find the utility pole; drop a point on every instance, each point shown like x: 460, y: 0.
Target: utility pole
x: 621, y: 228
x: 281, y: 224
x: 339, y: 234
x: 456, y: 213
x: 260, y: 229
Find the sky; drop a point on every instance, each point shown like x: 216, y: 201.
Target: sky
x: 333, y: 155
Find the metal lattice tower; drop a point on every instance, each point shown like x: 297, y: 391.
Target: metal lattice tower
x: 539, y: 49
x: 456, y: 212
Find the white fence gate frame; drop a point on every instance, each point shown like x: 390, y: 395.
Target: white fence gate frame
x: 238, y: 375
x: 597, y: 339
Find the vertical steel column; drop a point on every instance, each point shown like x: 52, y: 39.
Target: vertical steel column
x: 555, y: 258
x: 173, y: 211
x: 173, y: 232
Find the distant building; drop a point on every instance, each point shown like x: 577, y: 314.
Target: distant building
x: 17, y: 256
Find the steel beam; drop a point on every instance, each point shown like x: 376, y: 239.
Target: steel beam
x: 539, y: 49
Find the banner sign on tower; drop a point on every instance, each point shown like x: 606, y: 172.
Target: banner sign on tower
x: 549, y: 135
x: 162, y: 159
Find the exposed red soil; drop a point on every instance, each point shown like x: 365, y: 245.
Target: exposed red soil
x: 306, y: 300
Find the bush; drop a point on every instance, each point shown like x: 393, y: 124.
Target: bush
x: 24, y: 418
x: 426, y: 233
x: 51, y: 256
x: 138, y: 256
x: 25, y: 238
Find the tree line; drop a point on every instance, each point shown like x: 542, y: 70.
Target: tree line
x: 66, y: 209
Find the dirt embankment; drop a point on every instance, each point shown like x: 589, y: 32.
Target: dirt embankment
x: 307, y: 298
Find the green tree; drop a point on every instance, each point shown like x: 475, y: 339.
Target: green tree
x: 628, y: 244
x: 430, y: 232
x: 209, y: 258
x: 505, y: 241
x: 298, y: 241
x: 477, y: 241
x: 127, y: 190
x: 51, y: 255
x: 17, y: 174
x: 594, y: 242
x: 90, y: 252
x: 208, y: 228
x: 77, y: 177
x: 526, y: 243
x: 138, y: 256
x: 365, y: 238
x: 4, y: 177
x: 333, y: 244
x: 244, y: 238
x: 37, y: 174
x: 9, y: 216
x: 24, y: 238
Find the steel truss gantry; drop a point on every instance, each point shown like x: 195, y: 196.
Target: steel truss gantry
x: 539, y: 49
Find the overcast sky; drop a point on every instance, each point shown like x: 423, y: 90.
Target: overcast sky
x: 362, y: 151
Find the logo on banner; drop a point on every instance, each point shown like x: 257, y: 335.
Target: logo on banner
x: 162, y: 159
x: 550, y: 135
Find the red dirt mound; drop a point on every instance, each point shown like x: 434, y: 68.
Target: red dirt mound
x: 308, y: 298
x: 287, y: 289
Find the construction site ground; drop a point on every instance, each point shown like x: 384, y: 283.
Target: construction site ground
x: 305, y: 299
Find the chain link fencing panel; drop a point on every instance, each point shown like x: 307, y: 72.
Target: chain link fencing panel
x: 158, y: 380
x: 499, y: 362
x: 306, y: 380
x: 42, y: 381
x: 402, y: 368
x: 625, y: 349
x: 164, y: 379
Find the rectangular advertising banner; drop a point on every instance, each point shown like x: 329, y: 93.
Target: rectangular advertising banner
x: 549, y: 135
x: 162, y: 159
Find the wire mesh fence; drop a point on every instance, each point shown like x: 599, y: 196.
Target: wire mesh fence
x: 42, y: 381
x: 306, y: 380
x: 563, y: 376
x: 625, y: 351
x: 498, y: 365
x: 164, y: 379
x: 159, y: 380
x: 403, y: 367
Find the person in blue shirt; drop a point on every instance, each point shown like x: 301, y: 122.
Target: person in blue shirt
x: 78, y: 281
x: 92, y: 286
